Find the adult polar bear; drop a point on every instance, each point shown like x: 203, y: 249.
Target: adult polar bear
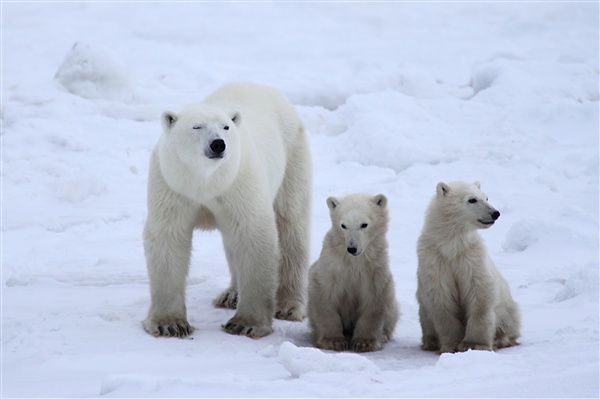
x: 238, y: 162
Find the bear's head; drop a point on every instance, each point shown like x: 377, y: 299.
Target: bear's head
x: 201, y: 137
x: 358, y: 218
x: 466, y: 205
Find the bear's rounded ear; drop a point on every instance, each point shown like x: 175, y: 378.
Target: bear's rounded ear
x: 168, y: 119
x: 236, y: 118
x: 477, y: 184
x: 442, y: 189
x: 380, y: 200
x: 332, y: 203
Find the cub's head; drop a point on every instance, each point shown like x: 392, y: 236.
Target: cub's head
x: 358, y: 218
x: 466, y: 204
x: 202, y: 137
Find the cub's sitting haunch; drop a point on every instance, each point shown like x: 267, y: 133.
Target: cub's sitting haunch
x: 464, y: 302
x: 237, y: 162
x: 351, y: 299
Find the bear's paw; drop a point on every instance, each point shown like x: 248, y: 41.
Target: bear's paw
x: 178, y: 328
x: 239, y: 326
x: 227, y: 299
x: 291, y: 310
x: 333, y: 343
x: 466, y: 345
x: 365, y: 345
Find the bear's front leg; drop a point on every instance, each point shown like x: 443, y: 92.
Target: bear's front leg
x: 429, y: 339
x: 368, y: 333
x: 253, y: 255
x: 479, y: 332
x: 450, y: 329
x: 167, y: 246
x: 168, y: 257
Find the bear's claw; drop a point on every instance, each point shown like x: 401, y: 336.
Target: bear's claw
x: 227, y: 299
x: 173, y: 328
x: 237, y: 326
x: 291, y: 311
x: 365, y: 345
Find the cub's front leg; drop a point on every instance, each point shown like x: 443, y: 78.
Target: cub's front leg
x: 324, y: 319
x: 368, y: 334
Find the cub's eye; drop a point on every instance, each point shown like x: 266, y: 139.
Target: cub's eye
x: 344, y: 226
x: 363, y: 226
x: 197, y: 127
x: 472, y: 200
x: 226, y: 127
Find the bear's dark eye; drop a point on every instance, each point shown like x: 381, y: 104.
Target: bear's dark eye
x: 226, y: 127
x: 196, y: 127
x: 363, y: 226
x: 343, y: 226
x: 472, y: 200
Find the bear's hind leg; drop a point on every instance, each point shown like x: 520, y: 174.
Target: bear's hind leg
x: 252, y: 254
x: 229, y: 298
x: 292, y: 209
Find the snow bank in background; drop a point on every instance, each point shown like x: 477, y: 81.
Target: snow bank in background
x: 91, y: 71
x: 299, y: 361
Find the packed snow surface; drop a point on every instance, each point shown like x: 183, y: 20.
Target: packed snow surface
x: 395, y: 96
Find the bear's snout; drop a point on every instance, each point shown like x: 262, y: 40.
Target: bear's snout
x: 351, y: 250
x: 217, y: 146
x: 495, y: 215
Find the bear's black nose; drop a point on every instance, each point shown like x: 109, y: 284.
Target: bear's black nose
x: 217, y: 146
x: 351, y: 250
x: 495, y: 215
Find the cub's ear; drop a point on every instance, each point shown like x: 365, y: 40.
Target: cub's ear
x: 332, y: 203
x: 477, y: 184
x: 442, y: 189
x: 380, y: 200
x: 168, y: 119
x: 236, y: 118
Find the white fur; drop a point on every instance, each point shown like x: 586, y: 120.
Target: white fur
x: 238, y: 162
x: 464, y: 302
x: 351, y: 300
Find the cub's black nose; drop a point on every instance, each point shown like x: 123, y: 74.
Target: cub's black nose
x: 217, y: 146
x: 495, y: 215
x: 351, y: 250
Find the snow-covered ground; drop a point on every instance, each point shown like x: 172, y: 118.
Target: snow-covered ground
x: 396, y: 97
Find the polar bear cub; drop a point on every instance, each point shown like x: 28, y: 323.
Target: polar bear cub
x: 351, y: 299
x: 464, y: 302
x: 238, y: 162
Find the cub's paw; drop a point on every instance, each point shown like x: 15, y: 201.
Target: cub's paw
x: 239, y: 326
x: 227, y: 299
x: 175, y: 327
x: 466, y: 345
x: 333, y: 343
x: 365, y: 345
x: 449, y: 348
x: 505, y: 342
x: 290, y: 310
x: 430, y: 344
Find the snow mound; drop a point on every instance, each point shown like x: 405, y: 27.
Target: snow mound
x: 580, y: 282
x: 525, y: 233
x: 299, y: 361
x: 521, y: 236
x: 94, y: 72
